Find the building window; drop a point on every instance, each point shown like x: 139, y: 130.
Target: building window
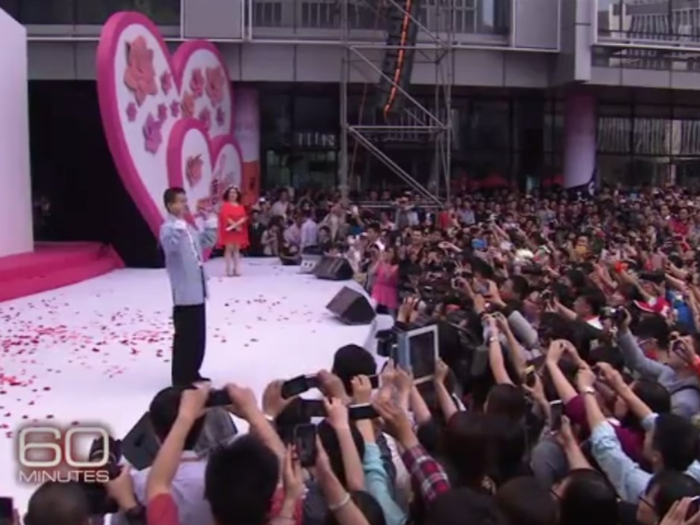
x: 645, y: 144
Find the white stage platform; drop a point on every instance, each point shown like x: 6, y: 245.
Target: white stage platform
x: 100, y: 350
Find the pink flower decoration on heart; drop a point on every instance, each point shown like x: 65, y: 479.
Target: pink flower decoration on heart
x: 175, y: 108
x: 215, y: 85
x: 193, y: 169
x: 197, y: 83
x: 205, y: 118
x: 140, y: 76
x: 166, y: 82
x: 220, y: 116
x: 131, y: 111
x: 187, y: 104
x: 152, y: 135
x: 162, y: 113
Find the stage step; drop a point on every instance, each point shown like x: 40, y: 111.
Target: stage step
x: 52, y: 265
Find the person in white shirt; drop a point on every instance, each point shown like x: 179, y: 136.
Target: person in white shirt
x: 281, y: 207
x: 292, y: 235
x: 309, y: 232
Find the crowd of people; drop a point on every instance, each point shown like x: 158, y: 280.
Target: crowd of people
x: 567, y: 390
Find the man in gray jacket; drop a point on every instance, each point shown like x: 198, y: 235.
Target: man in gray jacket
x: 676, y: 374
x: 184, y: 261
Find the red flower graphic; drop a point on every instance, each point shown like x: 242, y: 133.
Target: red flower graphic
x: 215, y: 85
x: 205, y: 118
x: 162, y: 113
x: 131, y: 111
x: 193, y: 169
x: 197, y: 83
x: 187, y: 105
x: 140, y: 77
x: 166, y: 82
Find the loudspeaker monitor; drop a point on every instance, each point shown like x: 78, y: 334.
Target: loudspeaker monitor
x: 351, y: 307
x: 334, y: 269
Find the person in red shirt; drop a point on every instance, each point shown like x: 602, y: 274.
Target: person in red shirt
x: 233, y: 229
x: 680, y: 225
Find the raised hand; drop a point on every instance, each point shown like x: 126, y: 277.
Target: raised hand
x: 337, y: 413
x: 243, y: 402
x: 193, y: 401
x: 396, y: 422
x: 272, y: 402
x: 331, y: 385
x: 361, y: 390
x: 292, y: 475
x: 441, y: 372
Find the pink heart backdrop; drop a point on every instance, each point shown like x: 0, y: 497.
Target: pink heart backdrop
x: 169, y: 120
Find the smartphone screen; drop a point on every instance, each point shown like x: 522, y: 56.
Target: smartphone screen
x: 366, y: 411
x: 313, y: 408
x: 298, y: 385
x: 556, y: 411
x: 305, y: 444
x: 422, y: 353
x: 218, y: 398
x: 7, y: 511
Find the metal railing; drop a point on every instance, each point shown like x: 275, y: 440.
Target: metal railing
x: 308, y: 20
x: 647, y: 24
x: 471, y: 16
x: 323, y: 17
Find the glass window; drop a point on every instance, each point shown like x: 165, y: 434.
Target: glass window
x: 614, y: 134
x: 319, y: 113
x: 48, y: 12
x: 275, y: 119
x: 614, y: 169
x: 11, y: 7
x: 652, y: 136
x: 90, y: 12
x: 267, y: 14
x: 489, y: 126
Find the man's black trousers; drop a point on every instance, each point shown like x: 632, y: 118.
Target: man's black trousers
x: 188, y: 343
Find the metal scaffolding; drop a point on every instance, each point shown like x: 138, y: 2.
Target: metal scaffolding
x: 433, y: 46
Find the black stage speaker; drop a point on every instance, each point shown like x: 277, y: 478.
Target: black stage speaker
x: 351, y: 307
x: 334, y: 269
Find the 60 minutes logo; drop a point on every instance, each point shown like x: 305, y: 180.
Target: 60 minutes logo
x: 50, y: 453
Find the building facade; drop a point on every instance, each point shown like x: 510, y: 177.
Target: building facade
x: 541, y: 90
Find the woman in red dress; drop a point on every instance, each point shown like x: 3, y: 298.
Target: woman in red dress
x: 233, y: 229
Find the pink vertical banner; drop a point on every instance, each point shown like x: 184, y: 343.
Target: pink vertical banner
x: 247, y: 133
x: 579, y: 139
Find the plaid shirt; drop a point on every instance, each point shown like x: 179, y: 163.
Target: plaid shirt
x: 426, y: 473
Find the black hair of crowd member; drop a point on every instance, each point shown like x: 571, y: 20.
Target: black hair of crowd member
x: 329, y: 439
x: 163, y: 412
x: 240, y: 480
x: 588, y: 498
x: 57, y: 503
x: 351, y: 361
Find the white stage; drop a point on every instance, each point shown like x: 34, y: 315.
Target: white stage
x: 100, y: 350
